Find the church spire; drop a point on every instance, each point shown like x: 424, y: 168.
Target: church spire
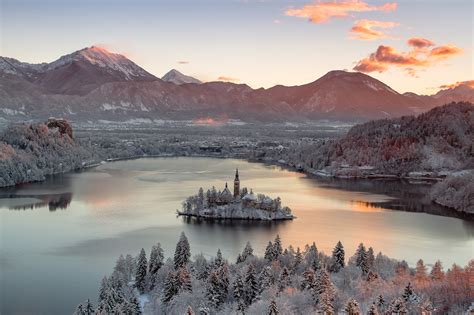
x: 236, y: 184
x: 236, y: 174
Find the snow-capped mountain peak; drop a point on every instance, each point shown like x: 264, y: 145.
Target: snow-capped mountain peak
x: 177, y: 77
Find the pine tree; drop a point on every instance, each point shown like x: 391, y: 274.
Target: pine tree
x: 104, y: 287
x: 437, y: 272
x: 170, y: 287
x: 88, y: 308
x: 140, y: 275
x: 156, y: 262
x: 273, y: 308
x: 239, y: 294
x: 213, y: 294
x: 312, y: 254
x: 184, y: 279
x: 298, y: 257
x: 420, y: 272
x: 248, y: 252
x: 284, y: 280
x: 266, y: 278
x: 79, y: 310
x: 269, y: 252
x: 361, y: 258
x: 338, y: 256
x: 352, y: 307
x: 182, y: 252
x: 370, y: 258
x: 381, y: 303
x: 251, y: 285
x: 326, y: 303
x: 189, y: 311
x: 218, y: 261
x: 398, y: 307
x: 223, y: 274
x: 134, y: 307
x: 373, y: 310
x: 408, y: 292
x: 277, y: 248
x: 309, y: 280
x: 204, y: 310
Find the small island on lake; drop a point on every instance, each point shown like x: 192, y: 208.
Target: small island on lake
x: 241, y: 204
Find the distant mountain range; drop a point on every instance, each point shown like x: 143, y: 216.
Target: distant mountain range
x: 94, y: 84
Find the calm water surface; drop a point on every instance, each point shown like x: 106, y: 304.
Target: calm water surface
x: 60, y: 237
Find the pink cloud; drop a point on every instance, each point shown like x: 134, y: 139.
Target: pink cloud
x: 323, y: 11
x: 419, y: 42
x: 368, y: 29
x: 227, y: 79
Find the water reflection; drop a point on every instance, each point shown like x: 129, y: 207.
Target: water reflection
x: 52, y: 202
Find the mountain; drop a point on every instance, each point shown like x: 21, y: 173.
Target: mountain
x: 176, y: 77
x: 93, y: 84
x: 77, y: 73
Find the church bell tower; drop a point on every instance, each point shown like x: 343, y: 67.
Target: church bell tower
x: 236, y: 184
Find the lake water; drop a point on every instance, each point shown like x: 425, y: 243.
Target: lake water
x: 60, y: 237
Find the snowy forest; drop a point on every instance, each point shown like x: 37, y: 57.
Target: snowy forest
x: 283, y: 281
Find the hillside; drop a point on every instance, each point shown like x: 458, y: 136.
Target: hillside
x: 29, y: 152
x: 94, y: 84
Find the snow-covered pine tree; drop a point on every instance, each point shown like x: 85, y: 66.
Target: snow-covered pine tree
x: 182, y: 252
x: 239, y: 293
x: 248, y: 252
x: 338, y: 256
x: 373, y: 310
x: 218, y: 261
x: 437, y: 272
x: 284, y: 281
x: 251, y: 285
x: 324, y: 285
x: 269, y: 252
x: 204, y: 310
x: 408, y: 292
x: 266, y: 278
x: 134, y: 307
x: 184, y: 279
x: 273, y: 308
x: 155, y: 263
x: 420, y: 272
x: 298, y: 258
x: 88, y: 308
x: 213, y: 291
x: 79, y: 310
x: 277, y: 247
x: 352, y: 307
x: 361, y: 258
x: 311, y: 254
x: 223, y: 274
x: 326, y: 303
x: 309, y: 280
x: 104, y: 287
x: 381, y: 304
x: 140, y: 275
x: 239, y: 259
x: 170, y: 287
x: 397, y: 306
x: 370, y: 258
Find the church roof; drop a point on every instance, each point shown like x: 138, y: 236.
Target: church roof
x: 250, y: 197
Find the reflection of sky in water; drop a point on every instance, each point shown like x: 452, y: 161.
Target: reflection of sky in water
x: 123, y: 206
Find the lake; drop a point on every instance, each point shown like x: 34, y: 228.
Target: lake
x: 60, y: 237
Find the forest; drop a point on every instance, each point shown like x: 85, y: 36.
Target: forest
x: 283, y: 281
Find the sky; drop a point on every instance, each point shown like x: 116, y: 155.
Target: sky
x: 414, y: 46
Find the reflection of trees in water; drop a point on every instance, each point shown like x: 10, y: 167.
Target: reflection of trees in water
x: 235, y: 222
x: 53, y: 202
x: 408, y: 197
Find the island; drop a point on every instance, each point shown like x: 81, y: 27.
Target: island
x: 242, y: 204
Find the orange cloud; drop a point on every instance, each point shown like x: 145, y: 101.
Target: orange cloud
x: 367, y: 29
x: 469, y: 83
x: 227, y: 79
x: 418, y: 57
x: 419, y: 42
x: 445, y: 51
x: 323, y: 11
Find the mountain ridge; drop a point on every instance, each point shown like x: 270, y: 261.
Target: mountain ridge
x: 93, y: 83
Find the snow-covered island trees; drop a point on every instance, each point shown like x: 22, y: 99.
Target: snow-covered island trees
x: 241, y: 204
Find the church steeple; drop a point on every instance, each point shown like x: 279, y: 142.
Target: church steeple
x: 236, y: 184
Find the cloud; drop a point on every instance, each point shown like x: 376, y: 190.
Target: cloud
x: 469, y: 83
x: 323, y: 11
x: 367, y: 29
x: 227, y: 79
x: 411, y: 61
x: 183, y: 62
x: 419, y: 42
